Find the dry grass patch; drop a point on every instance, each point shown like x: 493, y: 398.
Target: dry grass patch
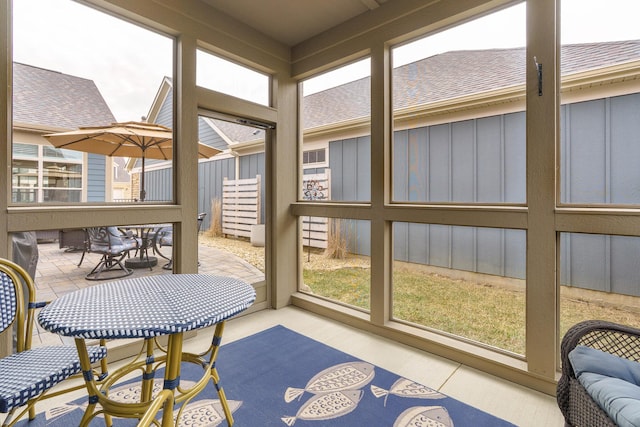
x: 215, y: 227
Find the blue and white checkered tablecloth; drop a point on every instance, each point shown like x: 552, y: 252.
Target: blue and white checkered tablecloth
x: 147, y: 306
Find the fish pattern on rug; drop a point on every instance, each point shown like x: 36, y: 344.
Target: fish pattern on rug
x: 279, y: 377
x: 345, y: 376
x: 424, y: 416
x: 407, y: 388
x: 337, y: 391
x: 326, y: 406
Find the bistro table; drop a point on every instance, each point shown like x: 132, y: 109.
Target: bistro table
x: 149, y: 307
x: 147, y: 234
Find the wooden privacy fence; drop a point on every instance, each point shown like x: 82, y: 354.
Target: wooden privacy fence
x: 315, y: 187
x: 240, y: 206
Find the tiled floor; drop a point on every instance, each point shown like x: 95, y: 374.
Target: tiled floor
x: 58, y: 274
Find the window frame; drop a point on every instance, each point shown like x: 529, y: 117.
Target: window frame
x: 40, y: 160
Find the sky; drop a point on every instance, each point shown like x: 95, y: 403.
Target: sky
x: 128, y: 63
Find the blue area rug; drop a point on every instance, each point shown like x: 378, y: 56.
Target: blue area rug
x: 278, y: 377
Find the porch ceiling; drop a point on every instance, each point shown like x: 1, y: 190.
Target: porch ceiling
x: 293, y: 21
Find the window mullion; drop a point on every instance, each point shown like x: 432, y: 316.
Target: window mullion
x: 381, y: 126
x: 542, y: 136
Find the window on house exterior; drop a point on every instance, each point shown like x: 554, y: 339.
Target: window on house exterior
x: 45, y: 174
x: 222, y: 75
x: 310, y: 157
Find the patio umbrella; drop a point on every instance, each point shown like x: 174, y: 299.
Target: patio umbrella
x: 128, y: 139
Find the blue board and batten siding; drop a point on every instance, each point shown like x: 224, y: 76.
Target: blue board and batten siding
x: 472, y: 161
x: 600, y: 153
x: 96, y: 180
x: 210, y: 177
x: 483, y: 160
x: 159, y: 185
x: 350, y: 164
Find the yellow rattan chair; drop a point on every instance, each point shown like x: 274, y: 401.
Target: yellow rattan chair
x: 27, y: 375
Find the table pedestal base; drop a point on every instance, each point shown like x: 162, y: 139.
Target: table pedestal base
x: 137, y: 262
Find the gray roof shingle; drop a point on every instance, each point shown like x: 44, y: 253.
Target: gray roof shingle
x: 50, y: 98
x: 456, y: 74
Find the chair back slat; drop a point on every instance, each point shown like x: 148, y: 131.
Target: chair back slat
x: 8, y: 301
x: 98, y: 239
x: 18, y: 292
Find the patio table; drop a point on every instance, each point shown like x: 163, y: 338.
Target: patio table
x: 149, y: 307
x: 147, y: 234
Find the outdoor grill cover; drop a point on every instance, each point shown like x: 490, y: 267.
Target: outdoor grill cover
x: 25, y: 251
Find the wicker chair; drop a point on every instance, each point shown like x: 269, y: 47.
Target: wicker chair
x: 578, y: 408
x: 29, y: 373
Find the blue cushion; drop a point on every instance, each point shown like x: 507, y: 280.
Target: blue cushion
x: 618, y: 398
x: 587, y: 359
x: 611, y: 381
x: 166, y: 239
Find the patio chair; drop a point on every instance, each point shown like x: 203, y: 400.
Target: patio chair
x: 114, y: 245
x: 165, y: 238
x: 29, y: 373
x: 576, y: 405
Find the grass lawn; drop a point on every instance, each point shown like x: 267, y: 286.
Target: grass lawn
x: 494, y: 315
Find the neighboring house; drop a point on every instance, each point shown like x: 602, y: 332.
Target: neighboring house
x: 242, y: 155
x: 466, y: 108
x: 46, y: 101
